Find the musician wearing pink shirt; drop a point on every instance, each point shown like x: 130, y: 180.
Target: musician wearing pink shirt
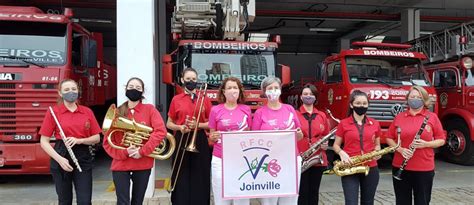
x: 229, y: 115
x: 276, y: 116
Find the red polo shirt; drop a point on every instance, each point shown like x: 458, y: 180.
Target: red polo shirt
x: 422, y: 159
x: 348, y: 131
x: 145, y: 114
x: 79, y: 124
x: 182, y: 105
x: 319, y: 128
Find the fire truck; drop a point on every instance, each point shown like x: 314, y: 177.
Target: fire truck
x: 450, y: 70
x: 210, y: 35
x: 384, y: 71
x: 37, y: 51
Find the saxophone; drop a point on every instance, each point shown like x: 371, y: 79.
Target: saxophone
x: 343, y: 169
x: 308, y: 157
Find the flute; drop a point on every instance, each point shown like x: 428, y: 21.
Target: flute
x: 63, y: 137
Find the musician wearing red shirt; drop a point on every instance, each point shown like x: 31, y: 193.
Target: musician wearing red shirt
x: 314, y: 125
x: 359, y: 134
x: 81, y: 129
x: 417, y: 176
x: 133, y: 163
x: 191, y: 174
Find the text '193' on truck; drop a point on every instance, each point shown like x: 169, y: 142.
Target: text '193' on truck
x: 37, y: 51
x: 384, y: 71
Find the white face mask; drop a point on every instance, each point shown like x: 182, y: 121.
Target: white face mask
x: 273, y: 95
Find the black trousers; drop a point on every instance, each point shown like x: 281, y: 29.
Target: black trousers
x: 194, y: 178
x: 82, y: 181
x: 122, y: 186
x: 414, y: 183
x: 309, y: 186
x: 368, y: 186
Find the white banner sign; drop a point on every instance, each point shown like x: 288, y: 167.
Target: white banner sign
x: 259, y: 164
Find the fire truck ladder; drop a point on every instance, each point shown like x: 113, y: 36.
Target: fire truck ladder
x: 447, y: 44
x: 222, y: 19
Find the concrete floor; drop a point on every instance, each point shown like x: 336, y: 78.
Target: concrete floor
x: 34, y: 189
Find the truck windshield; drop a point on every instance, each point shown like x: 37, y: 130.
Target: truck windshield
x: 386, y: 70
x: 35, y: 42
x: 249, y: 66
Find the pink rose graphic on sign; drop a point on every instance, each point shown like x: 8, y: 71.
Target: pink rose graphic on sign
x: 273, y: 168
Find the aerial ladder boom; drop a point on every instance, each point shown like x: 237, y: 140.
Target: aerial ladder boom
x: 212, y: 19
x: 450, y: 43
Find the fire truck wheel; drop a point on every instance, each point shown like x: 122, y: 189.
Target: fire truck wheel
x: 459, y: 148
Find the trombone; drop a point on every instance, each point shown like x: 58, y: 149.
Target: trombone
x: 191, y: 147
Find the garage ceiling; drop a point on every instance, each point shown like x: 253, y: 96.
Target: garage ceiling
x: 306, y: 26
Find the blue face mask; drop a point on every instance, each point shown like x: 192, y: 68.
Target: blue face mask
x: 415, y: 103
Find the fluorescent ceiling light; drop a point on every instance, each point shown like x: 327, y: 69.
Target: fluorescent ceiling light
x: 322, y: 29
x: 426, y: 32
x: 258, y: 37
x: 95, y: 20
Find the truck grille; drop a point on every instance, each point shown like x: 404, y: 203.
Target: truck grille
x: 7, y: 116
x: 382, y: 110
x: 17, y: 113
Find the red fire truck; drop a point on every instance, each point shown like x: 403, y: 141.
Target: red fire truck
x: 206, y: 24
x: 37, y: 51
x: 384, y: 71
x: 216, y: 60
x: 449, y: 65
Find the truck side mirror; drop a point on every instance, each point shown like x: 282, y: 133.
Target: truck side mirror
x: 89, y: 53
x: 167, y: 66
x: 285, y: 75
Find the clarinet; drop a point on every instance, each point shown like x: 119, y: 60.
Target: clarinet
x: 63, y: 137
x: 398, y: 174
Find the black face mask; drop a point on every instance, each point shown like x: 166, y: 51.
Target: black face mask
x: 134, y: 95
x: 360, y: 110
x: 190, y: 85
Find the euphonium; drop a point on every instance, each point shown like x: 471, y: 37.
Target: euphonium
x: 135, y: 134
x: 308, y: 157
x: 342, y: 169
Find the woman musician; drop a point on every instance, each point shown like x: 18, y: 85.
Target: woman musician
x: 359, y: 134
x: 314, y: 125
x: 191, y: 177
x: 229, y: 115
x: 418, y: 153
x: 276, y: 116
x: 133, y: 163
x: 81, y: 129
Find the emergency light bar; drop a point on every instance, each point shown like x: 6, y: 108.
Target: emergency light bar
x: 359, y: 44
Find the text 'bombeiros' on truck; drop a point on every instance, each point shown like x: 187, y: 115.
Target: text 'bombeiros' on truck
x: 37, y: 51
x: 211, y: 37
x: 384, y: 71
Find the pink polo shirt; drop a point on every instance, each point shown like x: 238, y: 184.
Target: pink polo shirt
x: 224, y: 119
x: 281, y: 119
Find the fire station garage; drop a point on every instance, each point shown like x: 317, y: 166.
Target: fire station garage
x: 384, y: 49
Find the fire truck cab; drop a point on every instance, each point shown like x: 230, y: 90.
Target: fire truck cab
x: 212, y: 41
x: 449, y: 65
x: 37, y: 51
x: 384, y: 71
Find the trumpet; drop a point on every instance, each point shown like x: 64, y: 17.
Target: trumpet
x: 135, y: 134
x: 342, y: 169
x: 191, y: 147
x: 308, y: 157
